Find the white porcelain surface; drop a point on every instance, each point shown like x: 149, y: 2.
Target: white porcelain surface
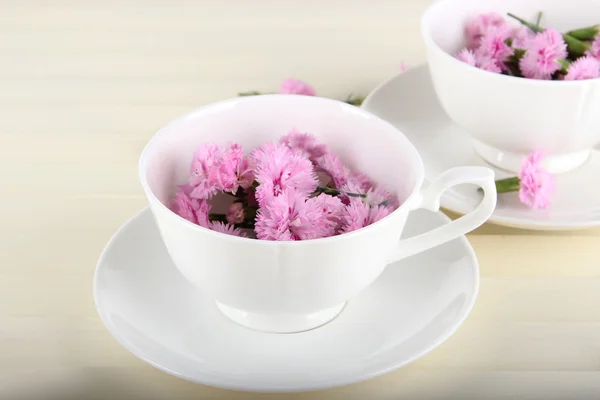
x: 293, y: 286
x: 153, y: 311
x: 409, y: 102
x: 512, y: 115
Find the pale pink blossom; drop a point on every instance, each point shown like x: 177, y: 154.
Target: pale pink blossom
x: 333, y: 166
x: 485, y: 63
x: 583, y: 68
x: 290, y: 216
x: 404, y: 67
x: 522, y: 37
x: 542, y: 57
x: 227, y: 229
x: 194, y: 210
x: 232, y: 171
x: 294, y: 86
x: 305, y: 144
x: 357, y: 215
x: 235, y: 214
x: 279, y: 169
x: 595, y: 50
x: 200, y: 186
x: 493, y: 46
x: 332, y: 208
x: 479, y: 25
x: 536, y: 184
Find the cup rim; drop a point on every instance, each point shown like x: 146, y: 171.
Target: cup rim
x: 155, y: 202
x: 431, y: 43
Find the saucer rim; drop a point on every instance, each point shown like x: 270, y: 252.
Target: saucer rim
x: 506, y: 221
x: 344, y: 381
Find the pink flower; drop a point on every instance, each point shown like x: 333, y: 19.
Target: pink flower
x: 485, y: 63
x: 492, y: 46
x: 536, y: 184
x: 232, y: 171
x: 478, y: 26
x: 332, y: 208
x: 583, y: 68
x: 194, y: 210
x: 199, y: 185
x: 279, y: 169
x: 522, y: 37
x: 293, y: 86
x: 306, y: 144
x: 235, y: 214
x: 333, y: 166
x: 542, y: 57
x: 290, y: 216
x: 404, y: 67
x: 595, y: 50
x: 227, y: 229
x: 357, y: 215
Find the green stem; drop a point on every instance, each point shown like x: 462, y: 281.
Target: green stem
x: 250, y: 93
x: 355, y: 100
x: 528, y: 24
x: 587, y: 33
x: 575, y: 46
x: 336, y: 192
x: 539, y: 19
x: 508, y: 185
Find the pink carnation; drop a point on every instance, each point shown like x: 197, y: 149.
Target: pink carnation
x: 583, y: 68
x: 232, y: 170
x: 595, y: 50
x: 478, y: 61
x: 522, y: 37
x: 293, y: 86
x: 200, y: 186
x: 493, y: 46
x: 332, y: 208
x: 536, y: 184
x: 194, y: 210
x: 404, y: 67
x: 542, y: 57
x: 357, y: 215
x: 235, y: 214
x: 279, y: 169
x: 478, y: 26
x: 226, y: 229
x: 306, y: 144
x: 290, y: 216
x: 333, y: 166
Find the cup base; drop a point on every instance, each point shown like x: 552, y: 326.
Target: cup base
x: 281, y: 323
x: 512, y: 161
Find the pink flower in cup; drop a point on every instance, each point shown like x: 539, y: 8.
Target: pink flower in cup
x: 479, y: 61
x: 194, y: 210
x: 583, y: 68
x: 543, y: 56
x: 232, y: 171
x: 227, y: 229
x: 595, y: 50
x: 478, y: 26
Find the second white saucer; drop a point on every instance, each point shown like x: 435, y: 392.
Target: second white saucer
x: 409, y: 102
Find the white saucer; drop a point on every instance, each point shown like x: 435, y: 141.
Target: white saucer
x: 409, y: 102
x: 162, y: 319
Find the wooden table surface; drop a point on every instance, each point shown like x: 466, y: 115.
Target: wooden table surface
x: 83, y: 86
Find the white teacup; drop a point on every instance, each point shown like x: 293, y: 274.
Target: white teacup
x: 296, y: 286
x: 509, y: 117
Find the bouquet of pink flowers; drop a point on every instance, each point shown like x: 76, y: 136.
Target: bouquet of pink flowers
x: 531, y: 51
x: 295, y: 189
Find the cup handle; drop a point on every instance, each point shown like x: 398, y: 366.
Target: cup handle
x: 430, y: 199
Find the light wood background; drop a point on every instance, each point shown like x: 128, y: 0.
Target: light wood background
x: 84, y: 84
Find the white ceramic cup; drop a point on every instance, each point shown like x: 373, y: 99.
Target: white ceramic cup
x: 509, y: 117
x: 296, y: 286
